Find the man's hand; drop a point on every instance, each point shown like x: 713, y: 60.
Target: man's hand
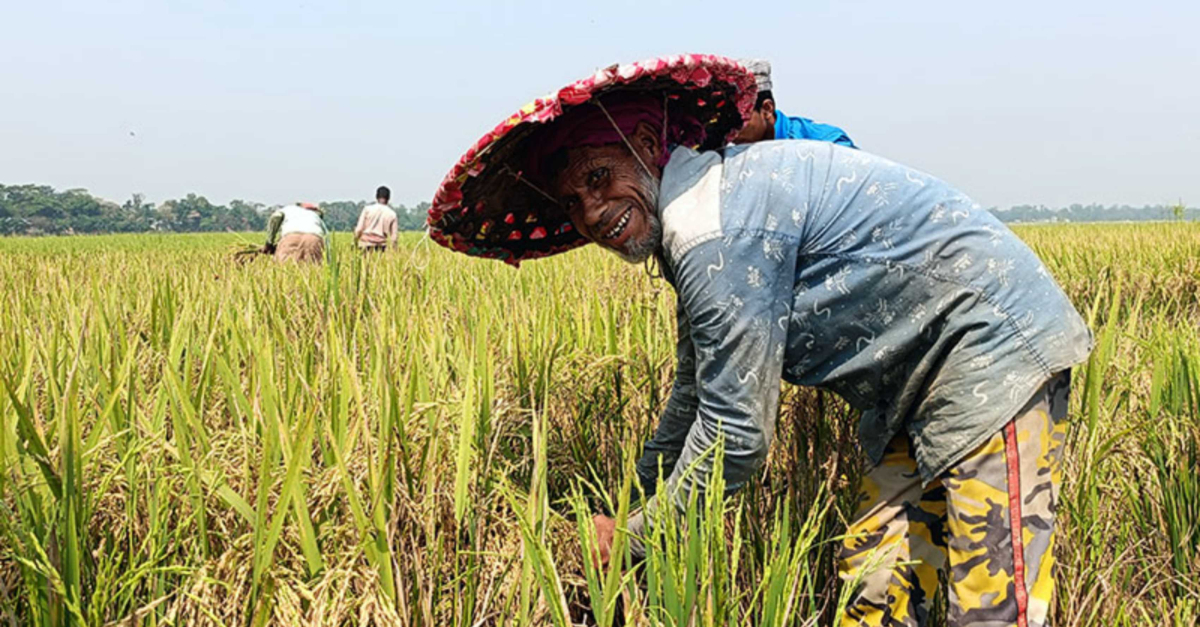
x: 605, y: 528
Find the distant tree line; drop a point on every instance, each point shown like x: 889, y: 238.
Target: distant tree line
x: 42, y: 210
x: 1097, y: 213
x: 342, y: 215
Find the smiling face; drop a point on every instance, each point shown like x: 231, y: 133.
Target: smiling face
x: 610, y: 198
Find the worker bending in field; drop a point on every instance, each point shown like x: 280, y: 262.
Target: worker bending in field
x: 823, y: 266
x: 296, y: 233
x: 766, y: 122
x: 376, y: 228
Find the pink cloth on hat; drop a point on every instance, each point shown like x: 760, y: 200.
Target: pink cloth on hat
x: 586, y: 125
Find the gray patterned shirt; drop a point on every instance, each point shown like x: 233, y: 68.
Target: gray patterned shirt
x: 831, y: 267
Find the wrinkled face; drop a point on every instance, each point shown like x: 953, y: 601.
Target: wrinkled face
x: 760, y: 126
x: 611, y: 199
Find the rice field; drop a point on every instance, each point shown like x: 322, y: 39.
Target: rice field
x: 420, y: 439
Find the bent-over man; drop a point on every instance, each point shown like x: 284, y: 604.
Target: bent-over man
x: 829, y: 267
x: 300, y: 231
x: 819, y: 265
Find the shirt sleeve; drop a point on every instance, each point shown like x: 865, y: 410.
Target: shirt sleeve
x: 843, y: 139
x: 737, y: 295
x: 830, y: 133
x: 677, y: 418
x: 787, y: 127
x: 273, y: 225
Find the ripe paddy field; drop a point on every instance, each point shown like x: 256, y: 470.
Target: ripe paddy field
x: 420, y: 438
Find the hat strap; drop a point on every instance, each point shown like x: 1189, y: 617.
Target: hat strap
x: 628, y: 145
x: 665, y: 120
x: 517, y: 175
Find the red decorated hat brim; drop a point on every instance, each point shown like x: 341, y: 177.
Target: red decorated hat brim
x: 483, y: 207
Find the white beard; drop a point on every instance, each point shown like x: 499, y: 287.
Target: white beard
x: 638, y: 251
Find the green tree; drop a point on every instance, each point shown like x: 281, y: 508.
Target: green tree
x: 1178, y: 211
x: 342, y: 215
x: 245, y: 216
x: 137, y: 215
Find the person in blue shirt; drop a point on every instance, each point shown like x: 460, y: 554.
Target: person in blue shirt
x: 768, y: 123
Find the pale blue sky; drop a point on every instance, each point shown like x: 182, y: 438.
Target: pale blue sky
x: 1014, y: 102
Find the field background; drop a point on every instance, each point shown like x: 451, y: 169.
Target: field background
x: 411, y: 439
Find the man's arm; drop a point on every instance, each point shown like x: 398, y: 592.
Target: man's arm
x: 393, y: 230
x: 737, y: 293
x: 677, y: 418
x: 273, y: 225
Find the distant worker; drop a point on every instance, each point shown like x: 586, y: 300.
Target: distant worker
x: 766, y: 122
x: 377, y: 226
x: 300, y: 231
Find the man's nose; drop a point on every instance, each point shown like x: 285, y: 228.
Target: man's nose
x: 593, y: 212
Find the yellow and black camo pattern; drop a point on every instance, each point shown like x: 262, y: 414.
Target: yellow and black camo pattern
x: 904, y: 535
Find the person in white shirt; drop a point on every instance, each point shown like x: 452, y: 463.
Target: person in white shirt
x: 377, y: 227
x: 300, y: 231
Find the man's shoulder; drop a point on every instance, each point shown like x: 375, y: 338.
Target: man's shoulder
x: 798, y: 127
x: 690, y: 199
x: 705, y: 193
x: 378, y: 208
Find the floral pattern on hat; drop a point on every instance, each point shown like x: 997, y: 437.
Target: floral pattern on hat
x: 485, y: 208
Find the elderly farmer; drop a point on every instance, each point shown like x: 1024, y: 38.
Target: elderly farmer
x: 300, y: 231
x: 822, y: 266
x: 767, y: 122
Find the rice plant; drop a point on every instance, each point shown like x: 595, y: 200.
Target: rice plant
x: 421, y: 439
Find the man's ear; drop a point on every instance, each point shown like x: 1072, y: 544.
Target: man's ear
x: 768, y: 110
x: 648, y: 144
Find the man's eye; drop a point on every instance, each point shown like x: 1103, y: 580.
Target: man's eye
x: 596, y: 176
x: 570, y: 202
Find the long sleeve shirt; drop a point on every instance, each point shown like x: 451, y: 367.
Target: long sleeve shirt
x: 294, y: 219
x: 804, y: 128
x: 376, y: 226
x: 824, y: 266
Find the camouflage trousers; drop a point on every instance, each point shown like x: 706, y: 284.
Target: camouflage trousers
x: 999, y: 497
